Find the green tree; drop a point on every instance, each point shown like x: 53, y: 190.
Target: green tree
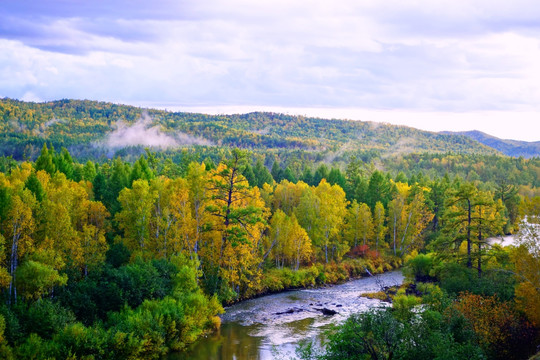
x: 45, y: 161
x: 262, y: 175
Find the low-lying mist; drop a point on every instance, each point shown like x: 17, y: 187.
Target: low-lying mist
x: 143, y: 133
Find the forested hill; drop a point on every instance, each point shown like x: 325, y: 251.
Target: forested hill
x: 508, y: 147
x: 86, y: 127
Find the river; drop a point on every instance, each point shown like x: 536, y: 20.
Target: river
x: 271, y: 326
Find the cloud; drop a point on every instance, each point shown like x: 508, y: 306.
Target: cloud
x: 142, y: 133
x: 427, y: 56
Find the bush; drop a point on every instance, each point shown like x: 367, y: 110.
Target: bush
x: 385, y: 334
x: 44, y: 318
x: 420, y: 267
x: 455, y: 278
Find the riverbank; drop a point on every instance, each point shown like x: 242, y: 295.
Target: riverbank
x: 277, y: 280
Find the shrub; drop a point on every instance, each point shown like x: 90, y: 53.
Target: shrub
x: 420, y: 267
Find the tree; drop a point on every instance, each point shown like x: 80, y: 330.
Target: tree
x: 262, y: 175
x: 45, y: 161
x: 379, y: 189
x: 488, y: 220
x: 141, y: 170
x: 239, y: 219
x: 286, y: 196
x: 93, y: 229
x: 526, y: 258
x: 5, y: 277
x: 134, y: 218
x: 408, y: 216
x: 89, y: 171
x: 320, y: 173
x: 64, y: 163
x: 288, y: 240
x: 336, y: 177
x: 34, y: 185
x: 277, y: 172
x: 118, y: 180
x: 178, y: 213
x: 379, y: 216
x: 471, y: 216
x: 249, y: 175
x: 458, y: 217
x: 307, y: 176
x: 19, y: 228
x: 359, y: 224
x: 199, y: 196
x: 509, y: 196
x: 332, y: 210
x: 288, y: 175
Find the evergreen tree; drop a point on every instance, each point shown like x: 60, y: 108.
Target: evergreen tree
x: 288, y: 175
x: 249, y: 175
x: 45, y: 161
x: 307, y: 176
x: 33, y: 184
x: 277, y: 172
x: 262, y: 175
x: 320, y: 173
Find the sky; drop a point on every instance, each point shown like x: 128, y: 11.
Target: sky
x: 434, y: 65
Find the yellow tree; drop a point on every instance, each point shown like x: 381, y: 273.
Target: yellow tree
x: 60, y: 213
x: 278, y: 236
x: 307, y: 213
x: 379, y: 215
x: 238, y: 222
x: 289, y: 242
x: 184, y: 226
x: 134, y: 218
x: 5, y: 277
x: 408, y: 217
x: 160, y: 220
x: 286, y: 196
x: 359, y: 224
x: 332, y: 211
x: 300, y: 243
x: 197, y: 179
x: 19, y: 227
x: 526, y: 258
x: 93, y: 229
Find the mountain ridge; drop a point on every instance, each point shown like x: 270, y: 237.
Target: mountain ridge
x: 515, y: 148
x: 89, y: 125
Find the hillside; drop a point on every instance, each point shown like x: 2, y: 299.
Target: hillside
x: 102, y: 128
x: 508, y: 147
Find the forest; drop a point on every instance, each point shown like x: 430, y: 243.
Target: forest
x: 128, y: 252
x: 84, y: 128
x: 135, y: 260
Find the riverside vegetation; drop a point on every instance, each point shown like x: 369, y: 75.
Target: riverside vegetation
x: 111, y: 258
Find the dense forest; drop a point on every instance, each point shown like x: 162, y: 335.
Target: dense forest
x: 121, y: 260
x: 84, y: 128
x: 132, y: 254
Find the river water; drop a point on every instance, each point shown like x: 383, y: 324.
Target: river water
x: 271, y: 326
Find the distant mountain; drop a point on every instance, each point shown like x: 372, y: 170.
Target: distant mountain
x: 508, y: 147
x: 96, y: 129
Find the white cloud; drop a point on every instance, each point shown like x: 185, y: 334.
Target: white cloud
x: 426, y: 56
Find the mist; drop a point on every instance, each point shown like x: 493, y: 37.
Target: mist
x: 142, y: 133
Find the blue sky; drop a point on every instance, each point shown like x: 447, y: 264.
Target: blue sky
x: 436, y: 65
